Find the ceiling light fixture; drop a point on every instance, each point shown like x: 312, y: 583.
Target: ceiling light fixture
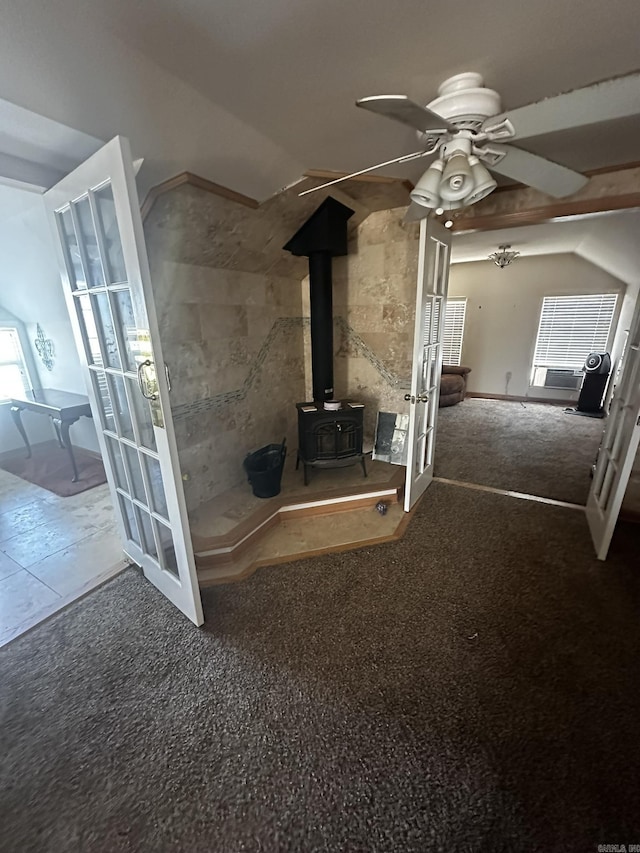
x: 455, y: 179
x: 503, y: 257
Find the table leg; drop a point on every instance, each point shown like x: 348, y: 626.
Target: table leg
x: 64, y: 431
x: 17, y: 419
x: 56, y: 424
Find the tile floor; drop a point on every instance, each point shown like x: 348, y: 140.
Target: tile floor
x: 52, y: 550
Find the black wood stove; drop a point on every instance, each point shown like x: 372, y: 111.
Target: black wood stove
x: 330, y: 439
x: 327, y: 437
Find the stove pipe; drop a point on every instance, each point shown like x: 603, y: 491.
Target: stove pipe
x: 322, y: 237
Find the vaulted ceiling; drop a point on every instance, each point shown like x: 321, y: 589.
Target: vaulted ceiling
x: 251, y: 94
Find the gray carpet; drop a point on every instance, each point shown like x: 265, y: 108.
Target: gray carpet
x: 539, y: 450
x: 473, y: 687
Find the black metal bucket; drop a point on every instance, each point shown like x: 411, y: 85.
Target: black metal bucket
x: 264, y: 469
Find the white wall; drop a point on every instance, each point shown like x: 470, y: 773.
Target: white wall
x: 503, y: 310
x: 30, y: 288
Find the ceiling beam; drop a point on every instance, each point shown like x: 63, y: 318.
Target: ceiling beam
x: 615, y: 189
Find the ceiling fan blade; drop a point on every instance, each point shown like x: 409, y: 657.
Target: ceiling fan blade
x: 404, y: 159
x: 403, y: 109
x: 612, y: 99
x: 535, y: 171
x: 416, y: 212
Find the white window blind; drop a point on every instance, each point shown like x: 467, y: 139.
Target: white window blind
x: 454, y: 316
x: 571, y: 327
x: 14, y: 380
x: 453, y: 331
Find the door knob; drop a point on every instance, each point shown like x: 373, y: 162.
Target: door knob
x: 422, y: 398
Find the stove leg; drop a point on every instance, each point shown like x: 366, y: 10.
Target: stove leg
x: 364, y: 466
x: 306, y: 474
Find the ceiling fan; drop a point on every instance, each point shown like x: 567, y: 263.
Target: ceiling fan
x: 470, y: 137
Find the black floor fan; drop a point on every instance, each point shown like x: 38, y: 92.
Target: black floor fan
x: 597, y: 369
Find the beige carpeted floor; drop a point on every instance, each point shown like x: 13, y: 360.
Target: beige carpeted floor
x: 533, y: 448
x: 472, y: 687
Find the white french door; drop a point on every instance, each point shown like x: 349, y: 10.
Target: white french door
x: 105, y: 275
x: 431, y: 296
x: 619, y: 447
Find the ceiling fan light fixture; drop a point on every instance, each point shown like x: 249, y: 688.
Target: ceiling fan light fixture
x: 484, y: 182
x: 457, y: 181
x: 426, y: 191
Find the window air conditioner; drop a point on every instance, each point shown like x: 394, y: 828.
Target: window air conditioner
x: 569, y: 379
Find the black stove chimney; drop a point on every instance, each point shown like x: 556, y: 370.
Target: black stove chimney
x: 322, y: 237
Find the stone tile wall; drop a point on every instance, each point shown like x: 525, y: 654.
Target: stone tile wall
x: 234, y: 330
x: 231, y: 327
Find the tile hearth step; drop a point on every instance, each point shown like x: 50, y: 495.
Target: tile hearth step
x: 298, y: 531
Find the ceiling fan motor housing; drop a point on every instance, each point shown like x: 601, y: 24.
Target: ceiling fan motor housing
x: 464, y: 101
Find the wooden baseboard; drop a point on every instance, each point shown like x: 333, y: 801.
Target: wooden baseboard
x: 516, y: 399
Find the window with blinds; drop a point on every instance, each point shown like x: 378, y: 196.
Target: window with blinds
x: 14, y: 379
x: 454, y: 316
x: 571, y: 327
x: 453, y: 331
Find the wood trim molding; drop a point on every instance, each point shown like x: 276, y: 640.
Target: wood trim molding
x: 515, y: 399
x: 483, y: 222
x: 232, y: 195
x: 608, y: 190
x: 372, y: 179
x: 195, y: 181
x: 547, y: 213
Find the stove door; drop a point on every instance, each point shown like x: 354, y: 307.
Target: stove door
x: 431, y: 297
